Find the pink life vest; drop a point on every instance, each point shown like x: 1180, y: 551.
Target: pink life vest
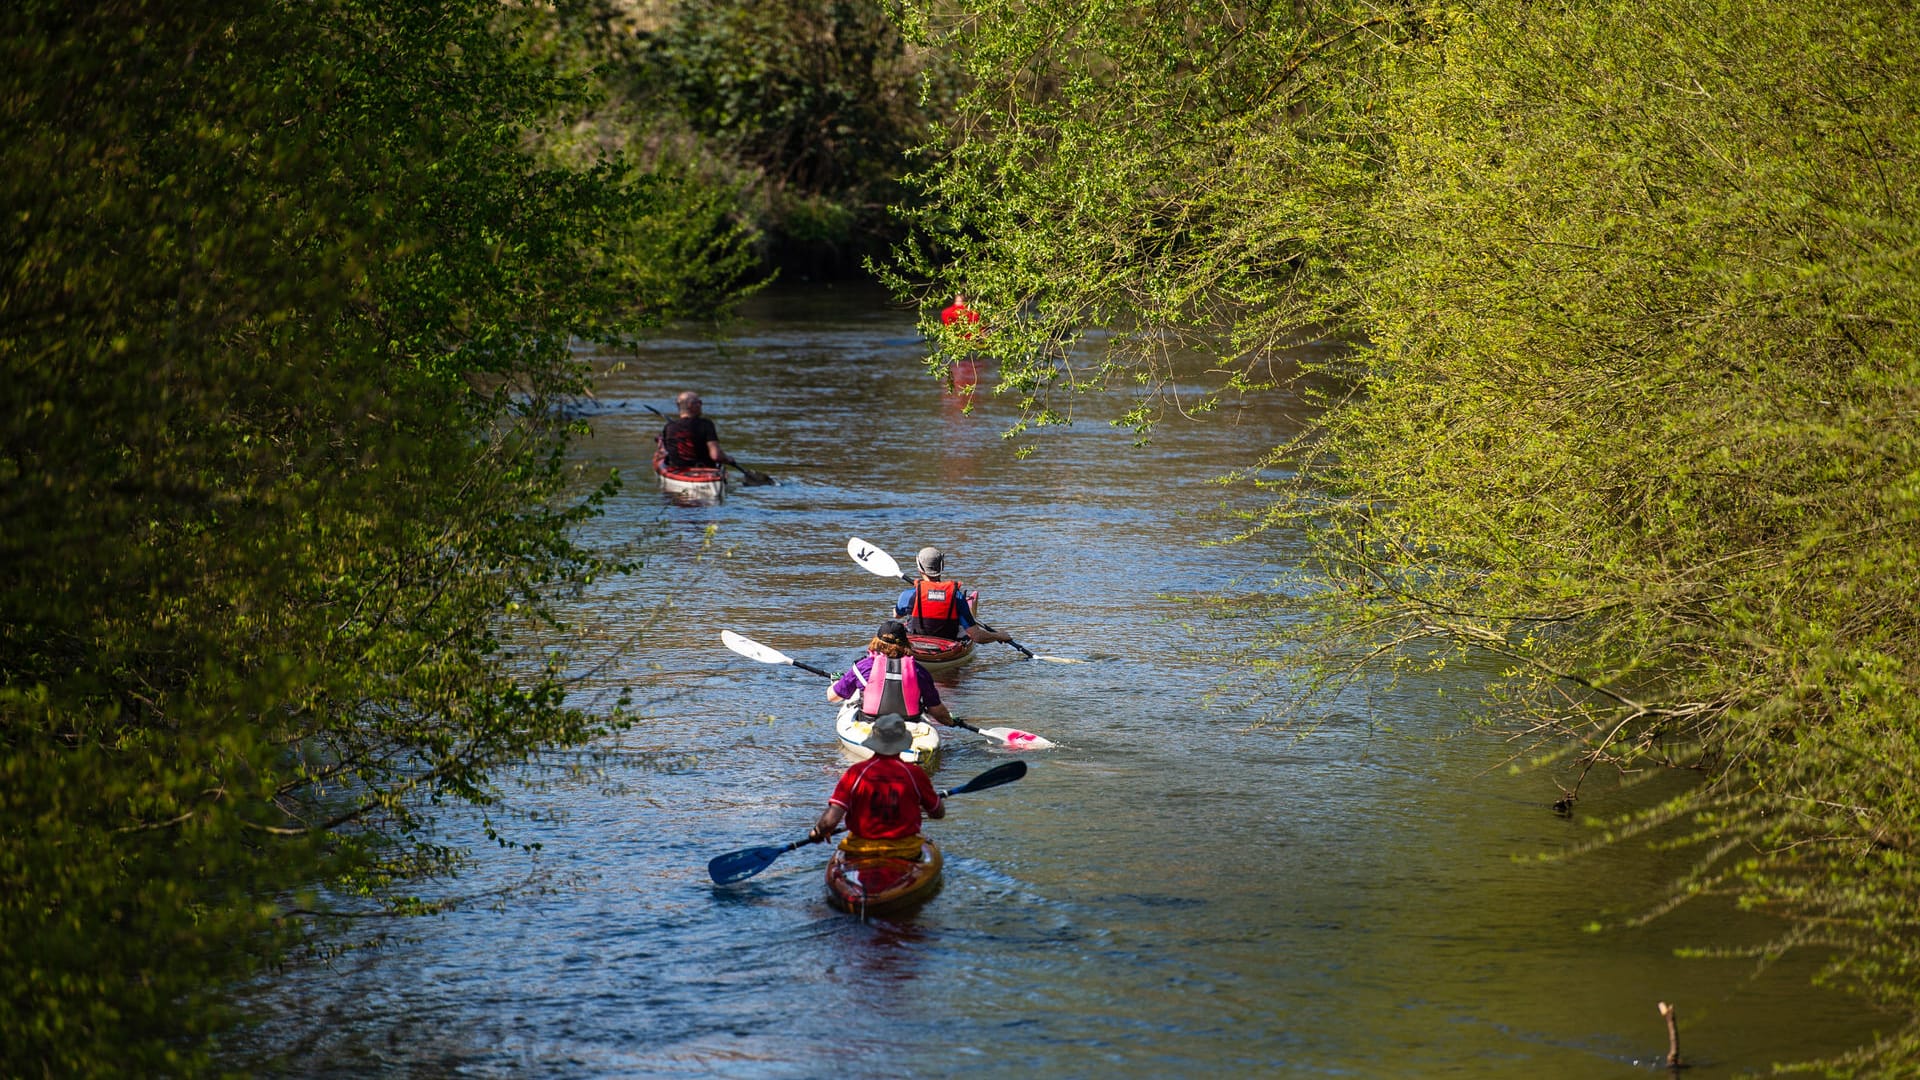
x: 878, y: 697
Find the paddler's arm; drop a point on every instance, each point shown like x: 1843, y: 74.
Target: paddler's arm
x: 844, y: 687
x: 980, y: 634
x: 930, y: 800
x: 830, y: 819
x: 930, y: 703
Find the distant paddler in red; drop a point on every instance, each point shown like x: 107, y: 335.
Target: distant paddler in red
x: 959, y: 312
x: 881, y: 799
x: 963, y: 322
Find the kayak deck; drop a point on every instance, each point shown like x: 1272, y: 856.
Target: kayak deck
x: 853, y: 729
x: 876, y: 883
x: 938, y: 653
x: 693, y: 481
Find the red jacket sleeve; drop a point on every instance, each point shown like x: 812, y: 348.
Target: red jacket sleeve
x: 929, y: 798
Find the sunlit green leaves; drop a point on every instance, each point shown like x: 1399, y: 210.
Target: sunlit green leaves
x: 1631, y: 405
x: 288, y: 294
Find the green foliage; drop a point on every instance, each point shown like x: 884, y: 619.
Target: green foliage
x: 282, y: 495
x: 807, y: 106
x: 1171, y: 170
x: 1633, y: 397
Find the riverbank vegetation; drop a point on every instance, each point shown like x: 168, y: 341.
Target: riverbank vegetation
x: 1633, y: 402
x: 288, y: 296
x: 805, y: 110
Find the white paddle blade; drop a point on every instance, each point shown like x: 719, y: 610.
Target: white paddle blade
x: 1015, y: 739
x: 875, y: 560
x: 753, y: 650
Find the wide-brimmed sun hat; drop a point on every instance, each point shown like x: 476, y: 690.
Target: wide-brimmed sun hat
x: 889, y: 736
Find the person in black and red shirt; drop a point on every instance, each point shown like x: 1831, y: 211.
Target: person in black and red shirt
x: 690, y: 439
x: 958, y: 311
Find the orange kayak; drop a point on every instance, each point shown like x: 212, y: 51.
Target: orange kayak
x: 880, y: 883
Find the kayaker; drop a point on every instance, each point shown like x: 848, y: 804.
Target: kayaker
x: 939, y: 608
x: 690, y: 439
x: 959, y: 312
x: 881, y: 799
x: 890, y: 681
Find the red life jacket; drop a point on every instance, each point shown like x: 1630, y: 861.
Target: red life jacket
x: 892, y: 688
x: 936, y: 608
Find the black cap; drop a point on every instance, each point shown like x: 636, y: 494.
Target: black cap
x: 892, y: 630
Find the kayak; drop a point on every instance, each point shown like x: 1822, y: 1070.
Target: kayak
x: 853, y: 730
x: 873, y: 883
x: 704, y: 483
x: 938, y: 653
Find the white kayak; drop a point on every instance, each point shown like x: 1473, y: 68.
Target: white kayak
x: 853, y: 730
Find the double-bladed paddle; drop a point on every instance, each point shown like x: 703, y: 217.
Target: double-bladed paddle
x: 1011, y: 738
x: 741, y: 865
x: 876, y: 561
x: 753, y: 650
x: 752, y: 477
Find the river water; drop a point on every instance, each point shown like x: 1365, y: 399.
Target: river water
x: 1173, y: 891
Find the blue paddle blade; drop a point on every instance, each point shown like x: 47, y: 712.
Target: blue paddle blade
x: 740, y: 865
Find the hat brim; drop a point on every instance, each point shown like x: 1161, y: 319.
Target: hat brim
x: 880, y: 743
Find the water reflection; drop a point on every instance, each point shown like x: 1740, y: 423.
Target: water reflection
x: 1167, y: 894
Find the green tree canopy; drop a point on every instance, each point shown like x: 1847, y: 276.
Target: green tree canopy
x: 1632, y: 391
x: 808, y: 107
x: 287, y: 298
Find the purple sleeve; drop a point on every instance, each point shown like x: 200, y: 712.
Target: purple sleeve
x: 846, y: 685
x: 929, y: 693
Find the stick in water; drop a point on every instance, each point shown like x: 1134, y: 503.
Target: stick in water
x: 1011, y: 738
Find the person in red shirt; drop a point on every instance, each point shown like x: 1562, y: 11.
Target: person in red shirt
x: 881, y: 799
x: 957, y: 312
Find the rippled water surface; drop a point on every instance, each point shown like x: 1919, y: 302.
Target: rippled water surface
x: 1168, y: 893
